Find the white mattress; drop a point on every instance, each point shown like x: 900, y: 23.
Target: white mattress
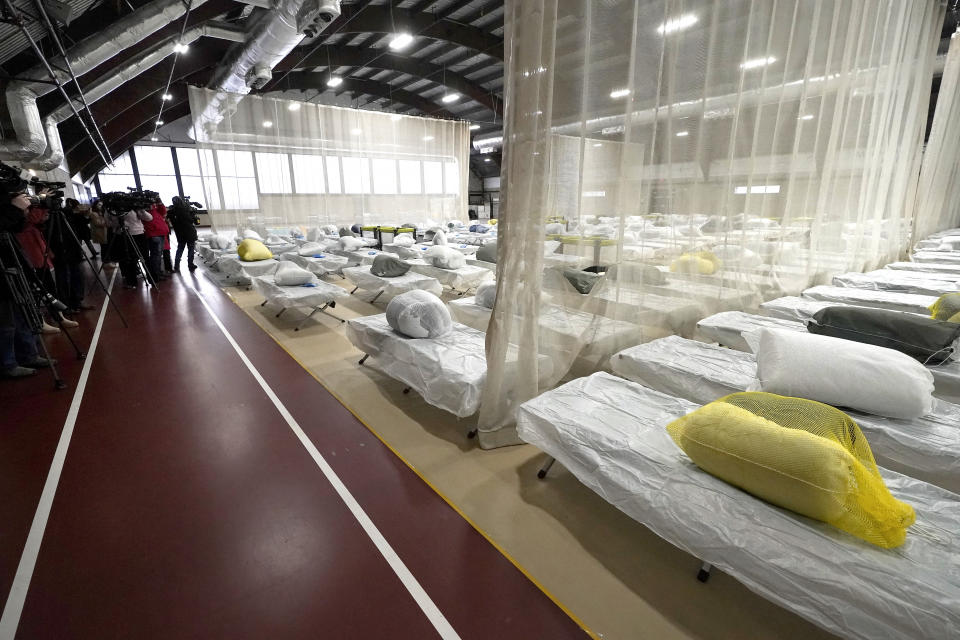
x: 227, y: 280
x: 942, y: 257
x: 406, y: 252
x: 946, y: 271
x: 676, y: 313
x: 465, y: 249
x: 329, y: 263
x: 358, y: 257
x: 926, y: 448
x: 449, y: 372
x: 893, y: 280
x: 894, y: 300
x: 233, y: 266
x: 390, y: 287
x: 462, y: 279
x: 610, y: 434
x: 794, y: 308
x: 489, y: 266
x: 319, y: 294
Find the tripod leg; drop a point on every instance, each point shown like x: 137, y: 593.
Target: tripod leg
x: 58, y: 382
x: 96, y: 276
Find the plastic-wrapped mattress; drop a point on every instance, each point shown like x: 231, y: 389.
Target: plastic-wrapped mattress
x: 893, y: 300
x: 942, y: 257
x: 679, y: 314
x: 462, y: 279
x: 227, y: 280
x: 610, y: 433
x: 449, y: 371
x: 794, y: 308
x: 358, y: 257
x: 926, y: 447
x: 390, y: 287
x: 317, y: 294
x: 893, y: 280
x: 935, y: 269
x: 320, y: 264
x: 234, y: 266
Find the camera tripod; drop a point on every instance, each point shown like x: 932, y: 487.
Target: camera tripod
x: 55, y: 225
x: 25, y: 292
x: 129, y: 243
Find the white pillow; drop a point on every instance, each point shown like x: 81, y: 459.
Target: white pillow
x: 404, y: 240
x: 314, y: 234
x: 418, y: 314
x: 329, y: 229
x: 842, y: 373
x: 311, y: 249
x: 486, y: 294
x: 439, y: 238
x: 445, y: 257
x: 273, y: 240
x: 735, y: 254
x: 290, y: 275
x: 251, y: 234
x: 555, y: 229
x: 350, y: 243
x: 220, y: 241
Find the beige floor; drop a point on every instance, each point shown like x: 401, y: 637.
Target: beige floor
x: 614, y: 576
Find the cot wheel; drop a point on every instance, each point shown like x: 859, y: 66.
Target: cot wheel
x: 704, y: 573
x: 406, y: 391
x: 472, y: 434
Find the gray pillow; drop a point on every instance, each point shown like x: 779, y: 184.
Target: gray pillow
x: 582, y: 281
x: 488, y: 252
x: 346, y: 232
x: 387, y: 265
x: 418, y: 314
x: 486, y: 294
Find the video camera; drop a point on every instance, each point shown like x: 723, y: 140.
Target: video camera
x: 190, y: 203
x: 47, y: 194
x: 119, y: 202
x: 10, y: 179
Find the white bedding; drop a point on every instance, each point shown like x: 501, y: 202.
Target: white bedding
x: 329, y: 263
x: 795, y: 308
x: 449, y: 372
x: 462, y: 279
x: 390, y: 287
x: 926, y: 448
x: 894, y: 300
x: 942, y: 257
x: 319, y: 294
x: 610, y: 433
x: 234, y: 266
x: 935, y: 269
x: 893, y: 280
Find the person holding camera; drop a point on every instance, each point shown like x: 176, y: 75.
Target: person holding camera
x: 19, y: 357
x: 33, y: 244
x: 156, y: 230
x: 132, y: 221
x: 183, y: 221
x: 68, y: 256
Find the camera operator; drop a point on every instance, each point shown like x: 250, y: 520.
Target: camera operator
x: 33, y: 243
x: 68, y: 257
x: 133, y: 222
x: 183, y: 220
x: 18, y: 347
x: 156, y: 230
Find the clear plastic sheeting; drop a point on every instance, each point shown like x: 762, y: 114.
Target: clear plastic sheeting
x: 743, y: 149
x: 391, y: 287
x: 794, y: 308
x: 321, y: 264
x: 449, y: 371
x: 893, y: 280
x: 941, y: 257
x: 610, y: 433
x: 893, y: 300
x: 935, y: 269
x: 274, y: 164
x: 317, y: 294
x: 927, y: 447
x: 232, y: 265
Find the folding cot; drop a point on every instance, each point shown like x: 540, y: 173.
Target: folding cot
x: 320, y: 264
x: 233, y: 266
x: 610, y: 433
x: 899, y: 281
x: 460, y: 280
x: 941, y: 257
x: 927, y: 447
x: 364, y: 279
x: 935, y: 269
x: 317, y: 296
x: 358, y: 257
x: 893, y: 300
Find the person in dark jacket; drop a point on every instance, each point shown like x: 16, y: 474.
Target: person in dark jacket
x: 18, y: 345
x: 183, y: 221
x: 68, y: 255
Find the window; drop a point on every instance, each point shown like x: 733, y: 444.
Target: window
x: 273, y: 172
x: 432, y: 177
x: 308, y: 174
x: 384, y: 176
x: 237, y: 180
x: 410, y: 179
x: 118, y: 176
x: 120, y: 166
x: 198, y: 176
x: 333, y: 174
x: 451, y: 178
x: 356, y: 175
x: 155, y: 165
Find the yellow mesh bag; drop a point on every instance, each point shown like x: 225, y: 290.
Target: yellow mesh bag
x: 798, y: 454
x: 702, y: 262
x: 251, y: 250
x: 947, y: 307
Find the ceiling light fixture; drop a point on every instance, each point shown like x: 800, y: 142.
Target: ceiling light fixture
x: 293, y: 106
x: 679, y: 23
x: 598, y: 144
x: 682, y: 134
x: 401, y: 41
x: 474, y: 127
x: 181, y: 48
x: 808, y: 116
x: 267, y: 124
x: 486, y: 159
x: 167, y: 97
x: 159, y: 123
x: 757, y: 63
x: 334, y: 81
x: 153, y: 138
x: 450, y: 97
x: 619, y: 93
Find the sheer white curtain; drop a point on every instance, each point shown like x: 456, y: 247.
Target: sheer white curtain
x: 938, y: 195
x: 714, y: 154
x: 284, y: 163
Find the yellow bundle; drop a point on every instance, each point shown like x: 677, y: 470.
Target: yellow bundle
x: 702, y: 262
x: 947, y: 307
x: 798, y: 454
x: 251, y: 250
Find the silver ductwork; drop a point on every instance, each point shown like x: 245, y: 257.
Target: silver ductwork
x: 31, y: 139
x: 273, y: 36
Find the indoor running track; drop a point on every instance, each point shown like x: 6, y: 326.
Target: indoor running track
x: 189, y: 507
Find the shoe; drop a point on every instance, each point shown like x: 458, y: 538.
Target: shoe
x: 41, y: 363
x: 192, y: 267
x: 17, y: 372
x: 48, y: 329
x: 176, y: 269
x: 69, y: 324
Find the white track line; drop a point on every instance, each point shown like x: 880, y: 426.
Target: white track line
x: 427, y: 605
x: 28, y: 559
